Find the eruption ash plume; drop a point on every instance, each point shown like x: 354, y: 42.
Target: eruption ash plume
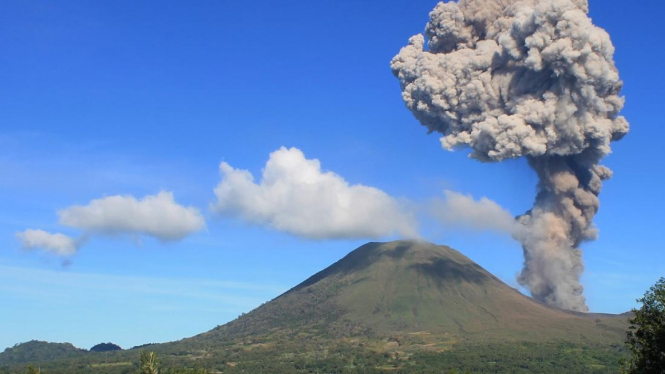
x: 525, y: 78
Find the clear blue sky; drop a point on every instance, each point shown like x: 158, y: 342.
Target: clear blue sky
x: 131, y: 98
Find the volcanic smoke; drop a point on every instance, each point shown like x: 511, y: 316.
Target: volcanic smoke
x: 525, y: 78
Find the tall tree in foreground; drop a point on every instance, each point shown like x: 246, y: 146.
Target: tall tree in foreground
x: 148, y: 364
x: 646, y: 335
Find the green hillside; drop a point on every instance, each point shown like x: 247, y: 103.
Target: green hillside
x: 38, y: 351
x: 412, y: 287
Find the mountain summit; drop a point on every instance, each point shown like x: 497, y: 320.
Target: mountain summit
x: 407, y: 287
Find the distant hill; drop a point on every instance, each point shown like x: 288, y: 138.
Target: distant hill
x: 38, y: 351
x: 143, y: 346
x: 105, y: 347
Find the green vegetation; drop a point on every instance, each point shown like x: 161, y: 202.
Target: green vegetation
x: 646, y: 335
x: 296, y: 357
x: 105, y: 347
x: 37, y: 351
x: 148, y: 363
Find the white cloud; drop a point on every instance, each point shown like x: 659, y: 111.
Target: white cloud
x: 158, y: 216
x: 58, y: 244
x: 482, y: 215
x: 295, y: 196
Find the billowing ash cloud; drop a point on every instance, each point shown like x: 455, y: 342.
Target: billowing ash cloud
x: 483, y: 215
x: 295, y: 196
x: 58, y: 244
x: 158, y: 216
x: 532, y: 79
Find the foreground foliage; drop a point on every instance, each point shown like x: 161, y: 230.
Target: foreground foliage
x: 309, y: 357
x: 646, y: 335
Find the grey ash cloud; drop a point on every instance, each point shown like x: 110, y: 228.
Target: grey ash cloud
x: 532, y: 79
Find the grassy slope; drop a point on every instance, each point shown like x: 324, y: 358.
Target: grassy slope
x: 405, y: 287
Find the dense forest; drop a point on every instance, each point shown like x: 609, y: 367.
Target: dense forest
x: 517, y: 357
x: 105, y: 347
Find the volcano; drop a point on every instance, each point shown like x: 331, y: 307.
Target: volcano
x: 412, y: 287
x: 403, y: 306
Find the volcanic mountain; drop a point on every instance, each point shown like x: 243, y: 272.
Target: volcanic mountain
x: 409, y: 306
x: 412, y: 287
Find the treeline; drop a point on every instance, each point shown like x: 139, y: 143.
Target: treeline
x: 38, y: 351
x: 148, y: 363
x: 316, y: 357
x: 474, y: 359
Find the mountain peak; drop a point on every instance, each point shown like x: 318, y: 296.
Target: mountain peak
x: 438, y: 261
x: 407, y: 286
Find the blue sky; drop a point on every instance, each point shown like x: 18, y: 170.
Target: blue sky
x: 124, y: 98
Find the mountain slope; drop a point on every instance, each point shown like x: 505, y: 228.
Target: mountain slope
x: 408, y: 287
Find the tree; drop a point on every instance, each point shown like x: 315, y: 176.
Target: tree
x: 646, y: 334
x: 32, y: 370
x: 148, y: 363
